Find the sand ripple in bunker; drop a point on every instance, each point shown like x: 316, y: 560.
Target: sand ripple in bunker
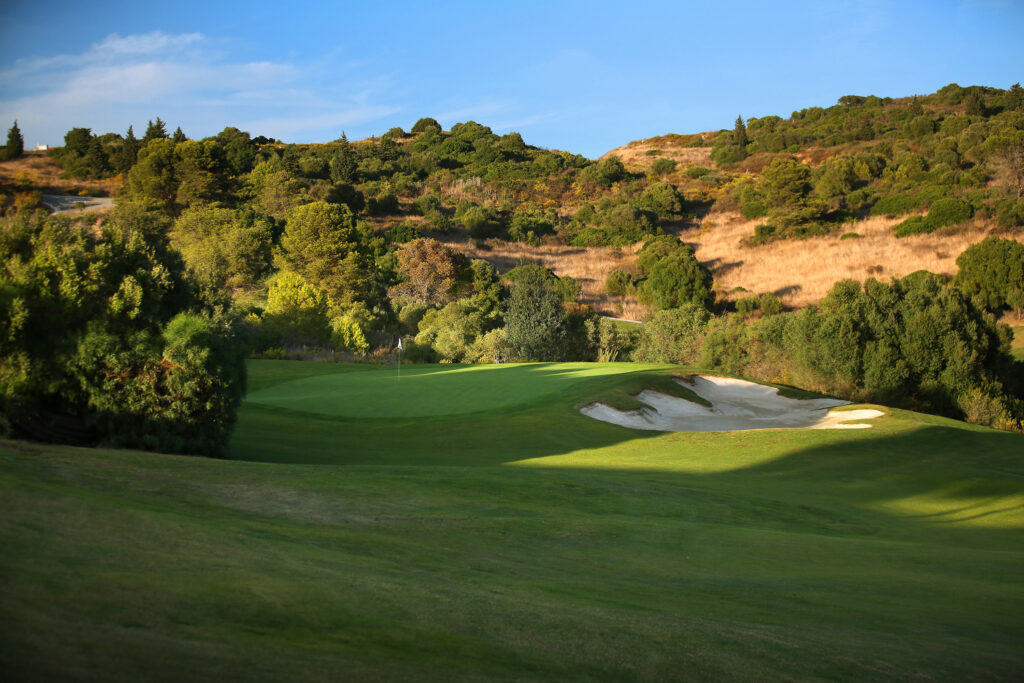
x: 735, y: 405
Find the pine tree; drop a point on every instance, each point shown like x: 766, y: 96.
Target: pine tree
x: 155, y: 130
x: 739, y: 134
x: 15, y: 142
x: 178, y: 135
x: 343, y: 163
x: 128, y: 153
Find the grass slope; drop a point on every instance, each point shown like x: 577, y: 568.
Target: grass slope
x: 531, y: 544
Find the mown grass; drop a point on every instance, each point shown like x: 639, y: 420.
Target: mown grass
x: 528, y: 544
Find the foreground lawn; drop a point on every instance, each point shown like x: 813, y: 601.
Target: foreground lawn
x: 523, y: 542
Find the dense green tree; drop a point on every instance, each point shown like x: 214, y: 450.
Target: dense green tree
x: 155, y: 130
x: 535, y: 323
x: 154, y: 178
x: 128, y: 153
x: 95, y: 332
x: 739, y: 134
x: 200, y: 170
x: 76, y: 141
x: 672, y: 275
x: 343, y: 162
x: 179, y: 136
x: 239, y: 150
x: 323, y: 243
x: 426, y: 124
x: 992, y: 272
x: 222, y: 247
x: 15, y: 142
x: 296, y: 311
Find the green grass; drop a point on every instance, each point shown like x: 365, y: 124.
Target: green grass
x: 515, y: 539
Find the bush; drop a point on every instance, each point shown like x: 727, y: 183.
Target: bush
x: 949, y: 211
x: 896, y: 205
x: 672, y: 336
x: 851, y: 236
x: 663, y: 166
x: 619, y: 283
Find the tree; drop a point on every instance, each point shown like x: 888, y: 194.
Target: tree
x: 223, y: 248
x: 426, y: 124
x: 296, y: 311
x: 128, y: 154
x: 15, y: 142
x: 199, y: 166
x: 535, y: 323
x: 739, y: 134
x: 323, y: 244
x: 343, y: 162
x: 154, y: 178
x: 435, y: 273
x: 179, y: 136
x: 992, y: 272
x: 673, y: 275
x: 95, y: 331
x: 155, y: 131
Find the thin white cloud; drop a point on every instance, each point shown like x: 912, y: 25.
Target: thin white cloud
x: 144, y: 43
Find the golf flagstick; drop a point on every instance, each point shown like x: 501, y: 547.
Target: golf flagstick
x: 399, y: 359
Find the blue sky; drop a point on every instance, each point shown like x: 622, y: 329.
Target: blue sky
x: 582, y: 76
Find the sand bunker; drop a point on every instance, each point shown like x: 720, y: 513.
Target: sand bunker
x: 735, y: 404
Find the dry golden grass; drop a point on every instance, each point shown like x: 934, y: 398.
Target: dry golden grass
x: 635, y: 158
x: 40, y: 172
x: 590, y: 266
x: 801, y: 272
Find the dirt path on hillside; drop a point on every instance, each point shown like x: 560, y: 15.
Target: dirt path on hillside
x: 74, y: 204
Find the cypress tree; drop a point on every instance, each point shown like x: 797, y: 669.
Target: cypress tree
x: 178, y: 136
x: 15, y: 142
x: 739, y: 134
x: 128, y: 153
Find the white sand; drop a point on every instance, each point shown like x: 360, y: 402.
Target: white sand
x: 735, y: 404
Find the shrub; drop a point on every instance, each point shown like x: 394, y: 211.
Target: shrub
x: 697, y: 172
x: 672, y: 336
x: 663, y: 166
x: 949, y: 211
x: 619, y: 283
x: 851, y: 236
x: 896, y: 205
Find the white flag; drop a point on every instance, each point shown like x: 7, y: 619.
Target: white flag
x: 399, y: 343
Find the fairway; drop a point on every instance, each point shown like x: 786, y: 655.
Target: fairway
x: 429, y: 390
x: 513, y: 538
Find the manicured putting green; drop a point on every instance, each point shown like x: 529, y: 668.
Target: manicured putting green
x: 430, y: 390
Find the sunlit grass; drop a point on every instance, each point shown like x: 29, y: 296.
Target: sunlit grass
x: 528, y: 543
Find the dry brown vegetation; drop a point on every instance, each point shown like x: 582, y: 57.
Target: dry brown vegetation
x: 590, y: 266
x: 801, y: 272
x: 38, y: 171
x: 638, y: 155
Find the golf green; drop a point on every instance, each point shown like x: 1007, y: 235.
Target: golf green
x: 430, y: 390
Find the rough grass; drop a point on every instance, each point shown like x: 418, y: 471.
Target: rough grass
x: 40, y: 172
x: 531, y: 545
x: 802, y: 271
